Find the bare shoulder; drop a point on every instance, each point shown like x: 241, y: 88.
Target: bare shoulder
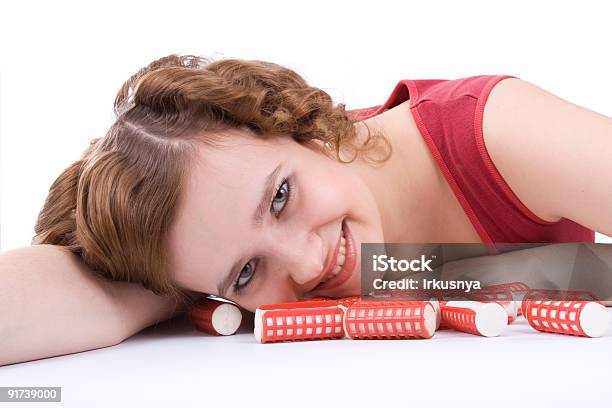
x: 511, y: 104
x: 552, y: 153
x: 140, y: 307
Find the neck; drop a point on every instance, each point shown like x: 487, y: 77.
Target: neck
x: 408, y: 186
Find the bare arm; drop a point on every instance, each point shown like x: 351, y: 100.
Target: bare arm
x: 51, y: 304
x: 554, y: 154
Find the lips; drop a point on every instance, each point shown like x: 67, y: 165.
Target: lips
x: 349, y: 262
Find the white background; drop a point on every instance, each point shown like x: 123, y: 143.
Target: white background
x: 62, y: 63
x: 175, y: 365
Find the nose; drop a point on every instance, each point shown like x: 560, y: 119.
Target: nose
x: 302, y: 258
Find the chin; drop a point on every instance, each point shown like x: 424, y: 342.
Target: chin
x: 351, y: 287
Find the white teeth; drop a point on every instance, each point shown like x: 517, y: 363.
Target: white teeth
x: 336, y: 270
x: 341, y: 251
x: 340, y: 260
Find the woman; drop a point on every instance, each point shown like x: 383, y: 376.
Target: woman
x: 238, y: 179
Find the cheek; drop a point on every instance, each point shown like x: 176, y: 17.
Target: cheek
x: 349, y: 192
x: 346, y: 194
x: 274, y: 290
x: 334, y: 187
x: 331, y: 189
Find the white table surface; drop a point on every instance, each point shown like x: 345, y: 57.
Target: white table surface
x: 175, y: 363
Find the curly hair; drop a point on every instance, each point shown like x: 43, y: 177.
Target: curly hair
x: 113, y: 207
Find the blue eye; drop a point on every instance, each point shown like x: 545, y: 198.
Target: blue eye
x: 282, y: 196
x: 245, y: 275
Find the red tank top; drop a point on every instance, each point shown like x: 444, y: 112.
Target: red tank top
x: 448, y: 114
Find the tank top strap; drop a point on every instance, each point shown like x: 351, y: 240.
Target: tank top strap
x: 449, y: 116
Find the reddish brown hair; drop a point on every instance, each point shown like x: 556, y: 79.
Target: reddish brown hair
x: 113, y: 207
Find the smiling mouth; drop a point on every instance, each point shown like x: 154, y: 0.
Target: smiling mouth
x: 344, y: 257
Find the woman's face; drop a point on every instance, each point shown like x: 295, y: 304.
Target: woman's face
x: 217, y: 248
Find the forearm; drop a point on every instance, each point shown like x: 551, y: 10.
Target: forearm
x: 52, y: 304
x: 140, y: 308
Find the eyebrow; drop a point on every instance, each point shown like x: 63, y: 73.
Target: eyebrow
x: 256, y: 221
